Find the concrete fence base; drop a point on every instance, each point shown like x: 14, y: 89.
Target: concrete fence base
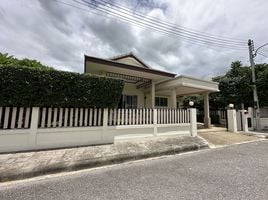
x: 34, y: 137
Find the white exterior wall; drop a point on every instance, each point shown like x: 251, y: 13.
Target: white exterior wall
x: 130, y: 89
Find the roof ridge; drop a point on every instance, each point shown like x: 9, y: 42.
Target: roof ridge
x: 130, y: 54
x: 121, y: 55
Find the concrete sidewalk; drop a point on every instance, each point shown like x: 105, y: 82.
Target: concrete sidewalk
x: 29, y: 164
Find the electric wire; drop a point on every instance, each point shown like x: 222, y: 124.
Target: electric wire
x: 130, y: 20
x: 168, y: 24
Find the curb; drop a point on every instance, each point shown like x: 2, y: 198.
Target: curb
x: 98, y: 162
x: 259, y: 135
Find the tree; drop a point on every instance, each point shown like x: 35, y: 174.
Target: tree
x: 236, y: 86
x: 7, y: 60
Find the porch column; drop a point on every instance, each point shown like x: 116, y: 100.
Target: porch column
x: 153, y: 94
x: 207, y: 122
x: 173, y: 99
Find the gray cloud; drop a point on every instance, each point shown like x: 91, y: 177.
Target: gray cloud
x: 59, y: 35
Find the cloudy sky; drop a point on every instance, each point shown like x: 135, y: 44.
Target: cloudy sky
x: 59, y: 35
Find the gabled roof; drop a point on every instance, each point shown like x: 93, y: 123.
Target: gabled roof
x: 113, y: 63
x: 130, y: 55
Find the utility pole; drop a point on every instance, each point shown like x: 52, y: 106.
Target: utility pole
x: 255, y: 96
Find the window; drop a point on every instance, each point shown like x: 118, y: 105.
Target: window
x: 161, y: 101
x: 128, y: 101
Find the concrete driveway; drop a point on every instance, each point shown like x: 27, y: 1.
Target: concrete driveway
x: 220, y: 137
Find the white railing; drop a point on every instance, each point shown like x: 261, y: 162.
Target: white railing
x: 42, y: 128
x: 19, y: 118
x: 13, y: 117
x: 70, y: 117
x: 173, y: 116
x: 118, y: 117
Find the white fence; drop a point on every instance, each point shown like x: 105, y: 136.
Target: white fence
x: 43, y: 128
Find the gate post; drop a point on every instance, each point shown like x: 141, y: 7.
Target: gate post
x: 193, y: 123
x: 244, y: 120
x: 232, y: 123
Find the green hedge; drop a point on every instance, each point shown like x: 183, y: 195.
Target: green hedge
x: 22, y: 86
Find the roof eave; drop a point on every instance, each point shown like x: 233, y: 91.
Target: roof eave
x: 126, y: 66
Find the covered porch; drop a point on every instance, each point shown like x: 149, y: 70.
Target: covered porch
x: 182, y: 86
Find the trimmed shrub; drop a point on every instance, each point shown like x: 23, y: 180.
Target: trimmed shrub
x: 23, y: 86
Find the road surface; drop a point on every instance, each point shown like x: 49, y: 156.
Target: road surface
x: 234, y: 172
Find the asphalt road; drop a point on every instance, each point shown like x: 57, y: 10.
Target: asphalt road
x: 234, y: 172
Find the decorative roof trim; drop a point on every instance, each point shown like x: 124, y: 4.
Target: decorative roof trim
x: 132, y: 55
x: 126, y: 66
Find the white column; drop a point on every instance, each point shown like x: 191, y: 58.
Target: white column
x: 245, y: 120
x: 232, y: 123
x: 193, y: 123
x: 105, y: 122
x: 153, y: 94
x: 34, y: 126
x: 155, y: 121
x: 173, y: 99
x: 207, y: 122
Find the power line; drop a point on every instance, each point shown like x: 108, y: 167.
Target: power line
x: 262, y: 54
x: 157, y: 28
x: 125, y: 16
x: 180, y: 28
x: 139, y: 24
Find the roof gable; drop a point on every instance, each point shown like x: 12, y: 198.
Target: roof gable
x: 130, y: 59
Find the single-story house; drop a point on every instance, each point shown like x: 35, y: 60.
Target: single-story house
x: 148, y: 108
x: 146, y: 87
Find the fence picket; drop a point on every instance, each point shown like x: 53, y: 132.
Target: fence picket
x: 27, y: 118
x: 133, y: 116
x: 49, y: 114
x: 43, y: 119
x: 86, y: 117
x: 81, y: 117
x: 71, y: 117
x: 76, y: 117
x: 130, y: 116
x: 13, y: 117
x: 137, y: 116
x: 95, y: 117
x: 147, y: 116
x: 6, y: 117
x: 1, y: 111
x: 122, y: 116
x: 140, y: 116
x: 126, y: 116
x: 99, y: 117
x: 118, y: 117
x: 110, y: 117
x: 20, y: 117
x: 115, y: 122
x: 60, y: 117
x: 55, y: 114
x: 90, y: 116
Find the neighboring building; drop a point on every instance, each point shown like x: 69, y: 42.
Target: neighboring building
x: 146, y: 87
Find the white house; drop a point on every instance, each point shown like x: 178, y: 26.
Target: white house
x: 148, y: 108
x: 146, y: 87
